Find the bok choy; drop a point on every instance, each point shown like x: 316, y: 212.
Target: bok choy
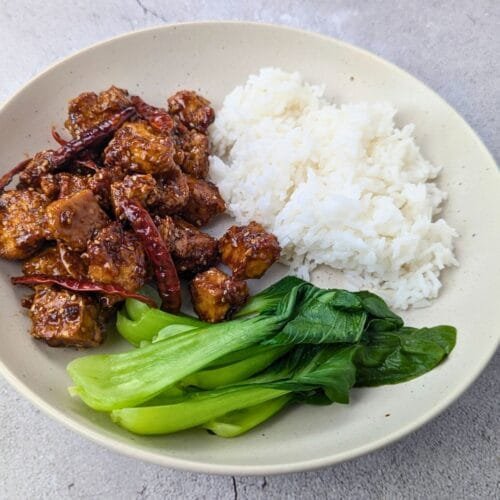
x: 291, y: 343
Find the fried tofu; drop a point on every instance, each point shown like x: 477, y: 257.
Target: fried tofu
x: 38, y: 167
x: 116, y: 256
x: 47, y: 262
x: 204, y: 202
x: 139, y: 187
x: 65, y: 184
x: 216, y: 296
x: 191, y: 249
x: 164, y: 195
x: 22, y: 223
x: 191, y: 109
x: 249, y: 250
x: 74, y: 220
x: 193, y: 150
x: 172, y: 193
x: 137, y: 148
x: 56, y: 260
x: 65, y: 318
x: 70, y: 184
x: 89, y: 109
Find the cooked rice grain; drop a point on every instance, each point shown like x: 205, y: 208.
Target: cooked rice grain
x: 338, y: 185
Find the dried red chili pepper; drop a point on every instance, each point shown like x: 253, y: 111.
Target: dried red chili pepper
x: 158, y: 253
x: 88, y: 163
x: 6, y: 178
x: 84, y: 159
x: 57, y: 137
x: 80, y: 285
x: 158, y: 118
x: 68, y: 151
x: 91, y: 137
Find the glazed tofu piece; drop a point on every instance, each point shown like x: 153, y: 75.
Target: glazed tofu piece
x: 204, y: 202
x: 47, y: 262
x: 138, y: 148
x: 158, y: 118
x: 165, y: 195
x: 191, y: 249
x: 49, y: 186
x: 74, y: 220
x: 215, y: 295
x: 89, y: 109
x: 38, y: 167
x: 116, y: 256
x: 72, y: 261
x: 55, y: 261
x: 64, y: 185
x: 191, y: 109
x: 249, y: 250
x: 65, y: 318
x: 100, y: 184
x: 70, y: 184
x: 172, y: 193
x: 193, y: 150
x: 139, y: 187
x: 22, y: 223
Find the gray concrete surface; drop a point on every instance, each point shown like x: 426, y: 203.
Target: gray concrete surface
x: 453, y: 46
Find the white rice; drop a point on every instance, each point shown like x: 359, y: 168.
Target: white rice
x: 338, y: 185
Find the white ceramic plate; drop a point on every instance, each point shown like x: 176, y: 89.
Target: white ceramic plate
x: 213, y: 58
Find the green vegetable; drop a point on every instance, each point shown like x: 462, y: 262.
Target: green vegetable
x: 238, y: 422
x: 170, y: 395
x: 382, y: 318
x: 106, y: 382
x: 292, y: 342
x: 327, y: 316
x: 171, y: 331
x: 268, y: 299
x: 235, y: 372
x: 135, y: 309
x: 150, y: 323
x: 398, y: 356
x: 336, y: 316
x: 195, y: 410
x: 240, y: 355
x: 167, y: 332
x: 309, y: 370
x: 306, y: 371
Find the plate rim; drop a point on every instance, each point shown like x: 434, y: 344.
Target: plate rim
x: 247, y: 470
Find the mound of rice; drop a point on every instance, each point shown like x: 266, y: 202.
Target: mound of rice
x: 338, y: 185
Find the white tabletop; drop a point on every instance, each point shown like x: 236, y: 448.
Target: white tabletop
x: 452, y: 46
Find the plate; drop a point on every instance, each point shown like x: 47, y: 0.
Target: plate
x: 212, y: 58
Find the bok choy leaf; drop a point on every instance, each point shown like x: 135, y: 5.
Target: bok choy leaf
x: 401, y: 355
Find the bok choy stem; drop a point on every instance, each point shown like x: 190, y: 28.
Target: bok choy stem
x: 195, y: 410
x: 149, y: 323
x: 235, y: 372
x: 107, y: 382
x: 240, y: 421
